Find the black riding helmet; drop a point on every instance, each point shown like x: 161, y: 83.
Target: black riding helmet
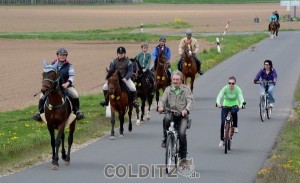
x: 62, y: 51
x: 121, y: 50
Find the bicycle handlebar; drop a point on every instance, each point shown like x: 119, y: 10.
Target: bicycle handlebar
x: 243, y: 106
x: 264, y: 82
x: 170, y: 111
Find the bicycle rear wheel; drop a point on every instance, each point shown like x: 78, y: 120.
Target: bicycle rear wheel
x: 169, y: 152
x: 262, y: 109
x: 269, y: 111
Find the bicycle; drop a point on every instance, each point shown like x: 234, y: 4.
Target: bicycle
x: 228, y: 127
x: 264, y: 106
x: 172, y: 143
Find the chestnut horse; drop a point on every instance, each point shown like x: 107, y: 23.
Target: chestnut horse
x: 189, y: 66
x: 161, y: 76
x: 119, y: 101
x: 58, y: 114
x: 274, y: 29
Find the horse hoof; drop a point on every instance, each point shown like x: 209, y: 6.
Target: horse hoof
x: 121, y: 136
x: 54, y: 167
x: 112, y: 137
x: 138, y: 122
x: 67, y: 163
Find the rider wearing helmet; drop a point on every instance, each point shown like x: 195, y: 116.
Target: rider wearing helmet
x: 124, y: 66
x: 161, y: 47
x: 66, y: 74
x: 144, y: 60
x: 195, y: 49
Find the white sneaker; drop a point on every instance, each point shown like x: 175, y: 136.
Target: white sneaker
x: 271, y: 105
x: 221, y: 143
x: 236, y: 130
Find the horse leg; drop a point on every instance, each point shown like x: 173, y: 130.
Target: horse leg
x: 63, y: 151
x: 113, y: 120
x: 55, y: 164
x: 137, y: 111
x: 129, y: 116
x: 70, y: 142
x: 51, y: 131
x: 143, y: 108
x: 192, y: 83
x: 157, y: 97
x: 121, y: 118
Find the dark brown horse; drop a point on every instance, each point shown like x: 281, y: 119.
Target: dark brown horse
x: 189, y: 67
x: 119, y: 101
x: 57, y: 111
x: 161, y: 76
x: 274, y: 29
x: 145, y: 89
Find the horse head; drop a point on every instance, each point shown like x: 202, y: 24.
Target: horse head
x: 187, y: 48
x: 114, y: 81
x: 50, y: 78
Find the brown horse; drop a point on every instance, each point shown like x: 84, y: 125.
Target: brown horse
x: 189, y: 67
x: 274, y: 29
x: 144, y: 88
x: 119, y: 102
x: 161, y: 76
x: 57, y: 111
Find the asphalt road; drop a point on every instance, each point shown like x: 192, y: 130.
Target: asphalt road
x: 141, y: 148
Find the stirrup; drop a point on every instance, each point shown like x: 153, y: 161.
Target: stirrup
x: 37, y: 117
x: 79, y: 115
x: 135, y: 104
x: 103, y: 103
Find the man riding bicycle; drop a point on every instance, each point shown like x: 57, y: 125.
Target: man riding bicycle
x: 233, y: 96
x: 177, y: 97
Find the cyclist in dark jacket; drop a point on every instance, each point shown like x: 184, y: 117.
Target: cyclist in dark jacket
x: 268, y: 73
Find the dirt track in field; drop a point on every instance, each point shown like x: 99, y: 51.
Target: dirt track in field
x: 21, y: 60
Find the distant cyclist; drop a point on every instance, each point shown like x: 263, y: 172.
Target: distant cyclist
x: 180, y: 98
x: 233, y: 96
x: 268, y: 73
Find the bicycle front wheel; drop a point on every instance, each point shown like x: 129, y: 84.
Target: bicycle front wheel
x: 169, y: 152
x: 262, y: 109
x: 226, y: 137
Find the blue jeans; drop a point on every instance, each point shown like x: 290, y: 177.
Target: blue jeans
x: 270, y: 92
x: 234, y: 112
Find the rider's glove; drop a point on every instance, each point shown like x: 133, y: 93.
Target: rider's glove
x: 190, y: 52
x: 144, y: 70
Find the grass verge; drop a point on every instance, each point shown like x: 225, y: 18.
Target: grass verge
x: 284, y: 162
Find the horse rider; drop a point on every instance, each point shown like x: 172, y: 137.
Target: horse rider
x: 125, y: 67
x: 67, y: 75
x: 193, y: 53
x: 161, y: 47
x: 273, y: 17
x: 180, y: 98
x: 277, y: 16
x: 144, y: 59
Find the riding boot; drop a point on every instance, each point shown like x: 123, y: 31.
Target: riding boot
x: 179, y: 65
x: 37, y: 115
x: 198, y: 63
x: 105, y: 103
x: 79, y: 114
x: 135, y: 103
